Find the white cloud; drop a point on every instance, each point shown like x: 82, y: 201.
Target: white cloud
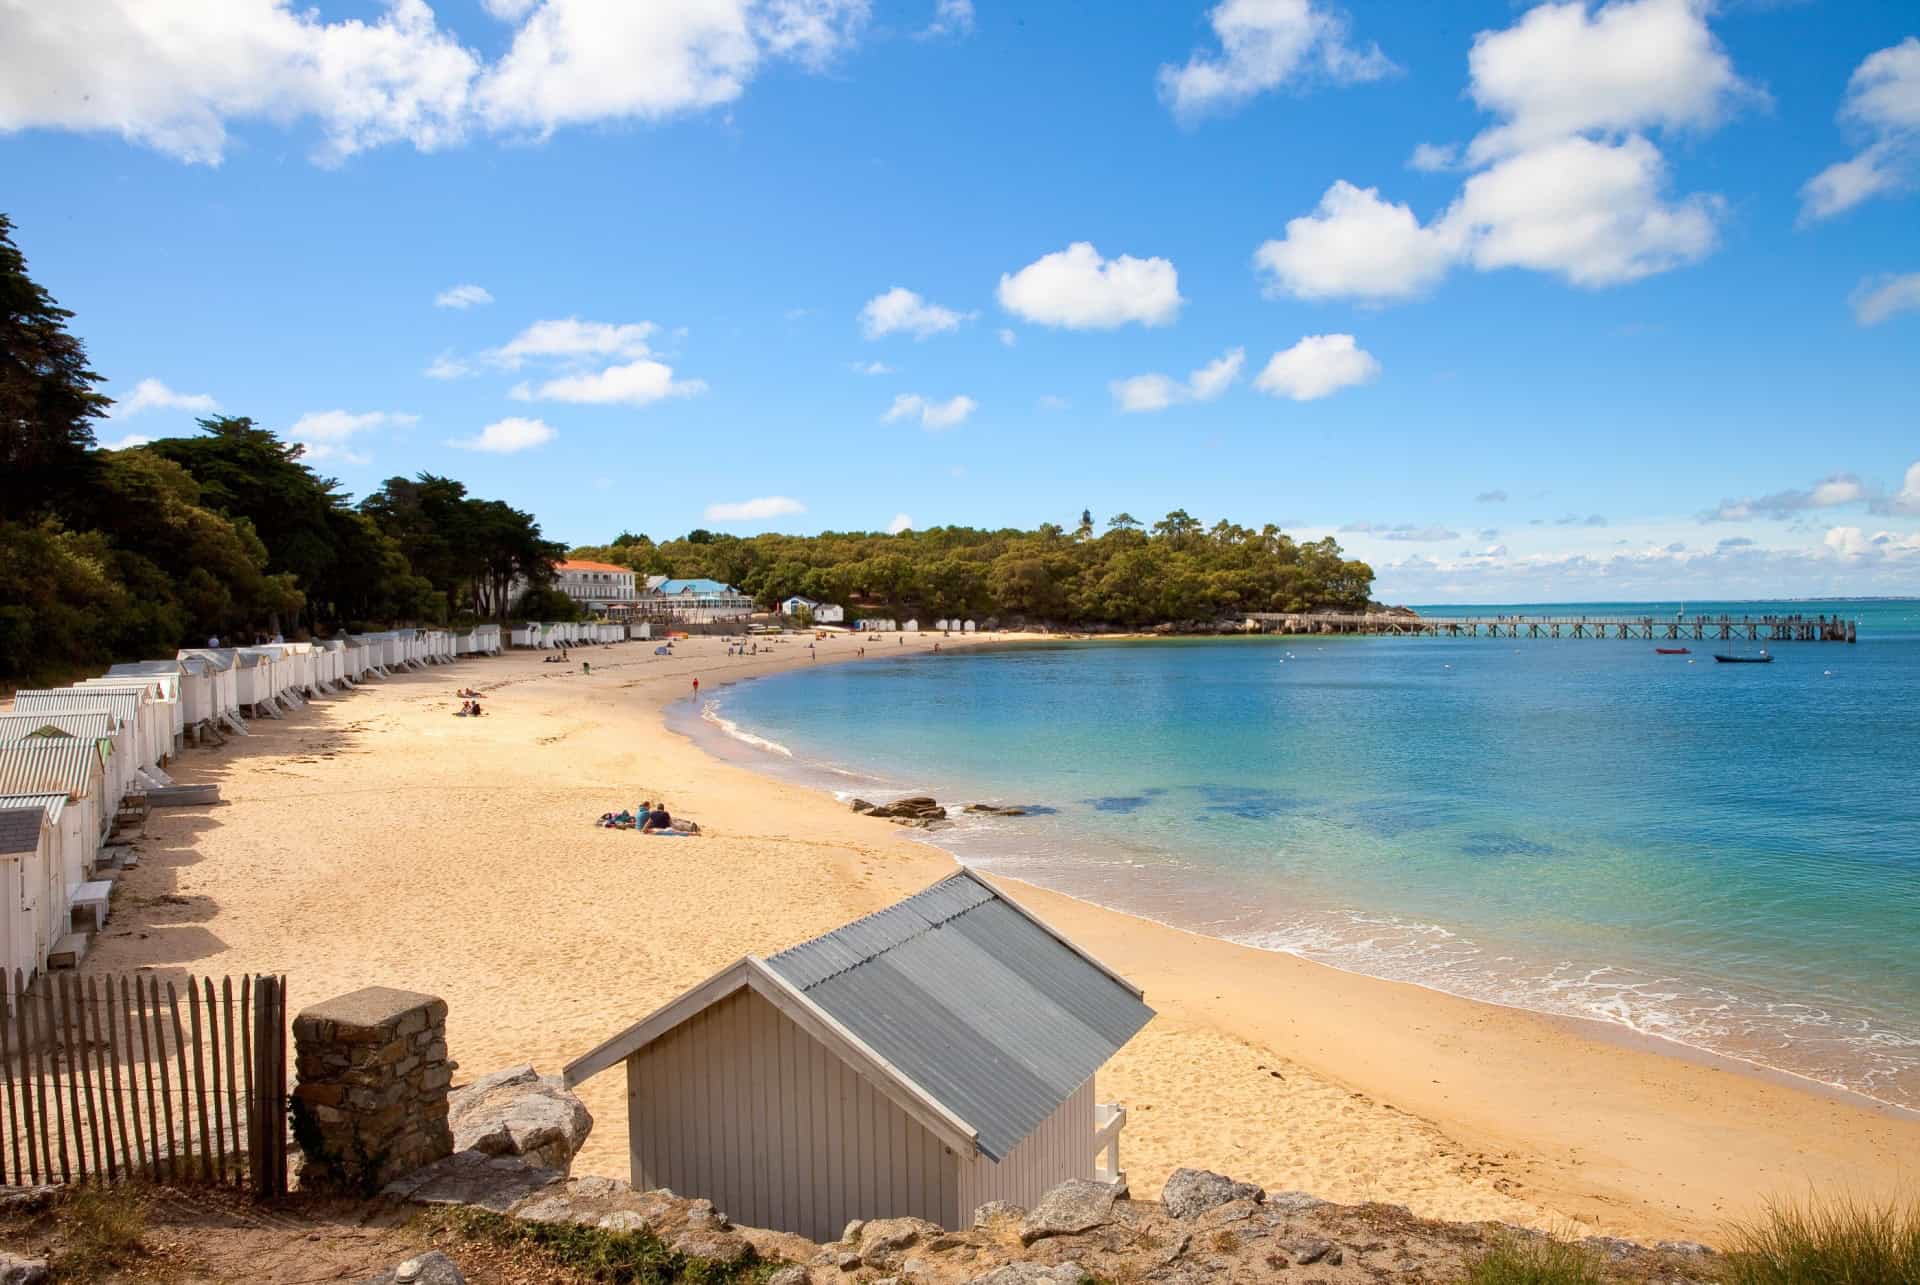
x: 1079, y: 290
x: 950, y: 18
x: 755, y: 510
x: 151, y: 394
x: 1883, y: 298
x: 447, y: 366
x: 901, y: 522
x: 1567, y: 182
x: 1589, y: 211
x: 462, y: 296
x: 931, y: 414
x: 174, y: 76
x: 1265, y: 44
x: 1157, y: 392
x: 572, y: 338
x: 1847, y: 542
x: 871, y: 368
x: 507, y: 436
x: 1907, y: 500
x: 126, y: 443
x: 637, y: 383
x: 1356, y: 245
x: 1434, y: 158
x: 1008, y: 338
x: 1318, y: 366
x: 1563, y: 69
x: 1882, y: 106
x: 901, y: 310
x: 325, y: 434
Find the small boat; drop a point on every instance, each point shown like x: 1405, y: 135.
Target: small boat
x: 1761, y: 659
x: 1673, y: 651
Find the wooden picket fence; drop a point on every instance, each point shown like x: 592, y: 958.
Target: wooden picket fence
x: 103, y: 1081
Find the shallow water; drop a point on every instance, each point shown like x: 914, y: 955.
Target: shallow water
x: 1728, y: 856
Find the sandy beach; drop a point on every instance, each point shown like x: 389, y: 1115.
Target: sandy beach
x: 372, y: 839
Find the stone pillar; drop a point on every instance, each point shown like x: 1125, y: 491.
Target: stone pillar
x: 371, y: 1101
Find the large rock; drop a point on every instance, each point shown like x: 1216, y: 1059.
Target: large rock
x: 1074, y: 1206
x: 470, y: 1178
x: 1191, y: 1192
x: 883, y: 1239
x: 430, y: 1268
x: 518, y: 1112
x: 916, y: 807
x: 1032, y: 1274
x: 15, y: 1270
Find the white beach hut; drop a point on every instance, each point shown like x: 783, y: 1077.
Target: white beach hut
x: 98, y: 726
x: 162, y: 689
x: 44, y: 910
x: 28, y: 853
x: 918, y: 1062
x: 192, y: 687
x: 73, y: 768
x: 218, y: 664
x: 487, y: 639
x: 967, y: 627
x: 147, y: 734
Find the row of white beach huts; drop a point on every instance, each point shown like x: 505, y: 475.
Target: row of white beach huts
x: 577, y: 633
x: 873, y: 624
x: 74, y: 760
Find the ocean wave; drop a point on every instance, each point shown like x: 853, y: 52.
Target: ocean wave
x: 711, y: 714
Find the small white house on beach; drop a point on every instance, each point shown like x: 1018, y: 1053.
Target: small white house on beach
x: 28, y: 853
x: 920, y: 1062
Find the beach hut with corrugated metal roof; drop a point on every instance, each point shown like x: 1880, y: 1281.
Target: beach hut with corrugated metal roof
x: 28, y: 854
x: 217, y: 664
x: 921, y: 1061
x: 147, y: 738
x: 97, y: 726
x: 163, y: 689
x: 74, y: 768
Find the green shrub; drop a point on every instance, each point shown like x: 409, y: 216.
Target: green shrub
x: 1528, y: 1260
x: 1837, y: 1241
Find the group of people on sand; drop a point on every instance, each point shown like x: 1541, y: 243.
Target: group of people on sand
x: 558, y: 659
x: 651, y: 817
x: 469, y: 709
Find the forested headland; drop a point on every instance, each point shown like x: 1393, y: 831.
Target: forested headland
x: 109, y: 555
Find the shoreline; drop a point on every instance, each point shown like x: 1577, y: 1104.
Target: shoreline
x: 457, y: 858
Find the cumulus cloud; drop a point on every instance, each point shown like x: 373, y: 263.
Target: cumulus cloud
x: 126, y: 443
x: 1907, y: 498
x: 901, y: 522
x: 1829, y: 492
x: 447, y: 366
x: 1008, y: 338
x: 1157, y: 392
x: 569, y: 338
x: 933, y: 415
x: 1574, y: 519
x: 325, y: 434
x: 755, y: 510
x: 1077, y: 289
x: 1565, y: 181
x: 872, y: 368
x: 636, y: 383
x: 1265, y: 44
x: 462, y: 296
x: 174, y: 77
x: 900, y: 310
x: 151, y: 394
x: 507, y: 436
x: 1882, y: 108
x: 1318, y: 366
x: 1491, y: 497
x: 1879, y: 299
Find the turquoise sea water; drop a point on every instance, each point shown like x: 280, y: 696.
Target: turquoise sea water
x: 1727, y: 856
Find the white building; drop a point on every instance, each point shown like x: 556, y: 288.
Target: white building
x: 824, y: 613
x: 597, y: 586
x: 694, y: 601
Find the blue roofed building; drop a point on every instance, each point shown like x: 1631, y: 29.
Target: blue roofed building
x: 695, y: 601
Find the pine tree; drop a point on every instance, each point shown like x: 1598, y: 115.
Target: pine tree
x: 47, y: 400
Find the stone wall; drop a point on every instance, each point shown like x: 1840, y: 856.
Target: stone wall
x: 371, y: 1099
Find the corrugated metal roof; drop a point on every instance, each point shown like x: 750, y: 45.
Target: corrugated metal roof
x: 987, y: 1011
x: 94, y: 723
x: 45, y: 764
x: 217, y: 657
x: 51, y: 804
x: 136, y: 667
x: 123, y: 702
x: 20, y: 830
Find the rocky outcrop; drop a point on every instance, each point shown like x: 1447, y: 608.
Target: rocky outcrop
x: 1206, y: 1230
x: 990, y: 810
x: 1192, y: 1192
x: 916, y: 807
x: 15, y: 1270
x: 519, y: 1113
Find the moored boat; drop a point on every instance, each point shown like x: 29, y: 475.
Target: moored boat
x: 1674, y: 651
x: 1761, y: 659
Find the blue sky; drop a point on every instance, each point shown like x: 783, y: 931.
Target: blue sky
x: 1554, y: 302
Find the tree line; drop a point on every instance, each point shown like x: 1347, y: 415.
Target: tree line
x: 112, y: 555
x: 1129, y: 574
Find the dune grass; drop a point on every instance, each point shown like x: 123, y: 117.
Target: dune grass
x: 1830, y: 1241
x: 1527, y: 1260
x: 105, y: 1229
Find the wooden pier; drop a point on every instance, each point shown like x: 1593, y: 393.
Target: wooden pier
x: 1729, y: 629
